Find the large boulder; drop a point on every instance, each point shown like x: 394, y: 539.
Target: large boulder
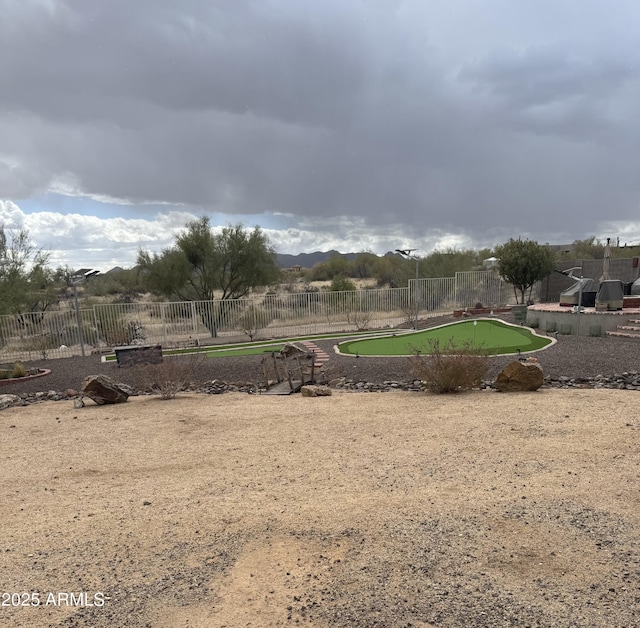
x: 520, y: 376
x: 315, y: 391
x: 103, y: 389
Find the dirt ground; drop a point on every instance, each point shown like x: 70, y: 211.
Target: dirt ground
x: 387, y: 509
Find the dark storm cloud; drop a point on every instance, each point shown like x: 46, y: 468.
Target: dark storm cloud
x: 442, y: 115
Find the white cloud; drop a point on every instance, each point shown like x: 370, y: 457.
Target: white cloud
x: 75, y: 239
x: 89, y: 241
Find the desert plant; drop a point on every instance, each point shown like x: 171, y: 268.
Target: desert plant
x: 252, y: 320
x: 450, y: 368
x: 409, y: 315
x: 118, y: 333
x: 171, y: 376
x: 42, y: 344
x: 359, y: 318
x: 18, y: 370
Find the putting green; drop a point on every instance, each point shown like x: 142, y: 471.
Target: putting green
x: 234, y: 353
x: 492, y: 336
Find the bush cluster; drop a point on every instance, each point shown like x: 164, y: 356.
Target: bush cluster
x: 449, y: 368
x: 171, y: 376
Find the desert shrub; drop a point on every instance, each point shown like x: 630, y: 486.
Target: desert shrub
x: 171, y: 376
x: 252, y: 320
x: 448, y: 368
x: 5, y: 374
x: 18, y: 370
x: 340, y: 283
x: 409, y: 315
x: 121, y: 333
x: 359, y: 318
x: 42, y: 344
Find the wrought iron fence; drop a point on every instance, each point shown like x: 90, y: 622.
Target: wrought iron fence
x: 57, y: 333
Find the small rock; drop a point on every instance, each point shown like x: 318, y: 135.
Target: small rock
x: 6, y: 401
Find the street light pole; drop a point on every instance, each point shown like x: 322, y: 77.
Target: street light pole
x: 579, y: 305
x: 407, y: 254
x: 76, y: 280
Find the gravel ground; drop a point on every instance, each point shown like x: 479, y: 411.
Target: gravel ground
x: 588, y: 357
x: 476, y: 510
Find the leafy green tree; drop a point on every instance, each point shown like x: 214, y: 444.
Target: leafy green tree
x: 202, y: 263
x: 26, y: 283
x: 522, y: 263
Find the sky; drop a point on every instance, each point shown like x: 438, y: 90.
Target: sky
x: 354, y: 125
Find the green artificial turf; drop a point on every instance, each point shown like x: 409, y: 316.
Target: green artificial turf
x: 253, y: 348
x: 232, y: 353
x: 492, y: 336
x: 259, y: 347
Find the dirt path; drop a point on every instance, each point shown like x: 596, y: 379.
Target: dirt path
x: 394, y: 509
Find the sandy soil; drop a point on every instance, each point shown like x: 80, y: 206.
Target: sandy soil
x: 388, y: 509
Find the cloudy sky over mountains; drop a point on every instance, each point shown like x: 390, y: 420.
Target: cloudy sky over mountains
x: 346, y: 124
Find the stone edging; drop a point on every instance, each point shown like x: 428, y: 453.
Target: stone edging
x: 622, y: 381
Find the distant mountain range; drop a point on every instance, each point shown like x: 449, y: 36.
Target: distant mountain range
x: 285, y: 260
x: 307, y: 260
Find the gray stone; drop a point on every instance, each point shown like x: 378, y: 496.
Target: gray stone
x: 6, y: 401
x: 519, y: 377
x: 103, y: 390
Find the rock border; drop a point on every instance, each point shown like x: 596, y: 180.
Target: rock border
x: 620, y: 381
